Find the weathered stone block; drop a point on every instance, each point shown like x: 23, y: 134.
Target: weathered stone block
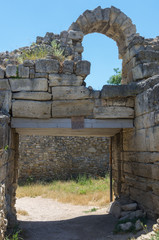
x: 1, y: 73
x: 65, y: 80
x: 32, y: 73
x: 3, y: 173
x: 28, y: 63
x: 89, y: 15
x: 83, y: 68
x: 4, y: 84
x: 98, y: 13
x: 37, y: 84
x: 31, y: 109
x: 40, y: 96
x: 106, y: 14
x: 116, y: 91
x: 47, y: 65
x: 68, y: 66
x: 138, y: 72
x: 23, y: 72
x: 41, y: 75
x: 145, y: 121
x: 72, y: 108
x: 113, y: 112
x: 75, y: 35
x: 11, y: 71
x: 66, y: 93
x: 5, y: 101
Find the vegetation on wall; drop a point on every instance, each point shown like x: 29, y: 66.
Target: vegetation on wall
x: 42, y: 51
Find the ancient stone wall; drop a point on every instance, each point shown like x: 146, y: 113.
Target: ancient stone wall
x: 48, y: 158
x: 136, y: 167
x: 48, y: 89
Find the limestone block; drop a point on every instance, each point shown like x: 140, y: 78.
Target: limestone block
x: 150, y: 69
x: 145, y: 121
x: 129, y: 207
x: 126, y: 226
x: 11, y: 71
x: 120, y: 19
x: 115, y: 209
x: 36, y: 84
x: 1, y: 73
x: 60, y: 93
x: 5, y: 101
x: 116, y: 91
x: 89, y: 16
x: 145, y: 157
x: 134, y: 51
x: 65, y: 80
x: 78, y: 48
x: 113, y: 112
x: 3, y: 173
x: 40, y: 96
x: 28, y: 63
x: 142, y: 103
x: 82, y: 22
x: 82, y: 68
x: 137, y: 72
x: 23, y: 72
x: 114, y: 12
x: 31, y: 109
x: 71, y: 108
x: 68, y: 66
x: 75, y: 35
x: 4, y: 84
x: 106, y: 14
x: 3, y: 131
x: 41, y: 75
x: 32, y: 73
x: 156, y: 116
x: 47, y: 65
x: 98, y: 13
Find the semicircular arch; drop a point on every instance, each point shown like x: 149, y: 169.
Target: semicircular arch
x: 109, y: 21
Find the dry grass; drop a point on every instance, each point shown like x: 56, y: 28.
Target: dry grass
x: 82, y: 192
x: 22, y: 212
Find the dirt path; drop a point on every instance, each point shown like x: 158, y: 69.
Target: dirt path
x: 51, y: 220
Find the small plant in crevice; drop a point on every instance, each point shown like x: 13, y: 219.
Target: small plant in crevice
x: 6, y: 148
x: 155, y: 237
x: 91, y: 210
x: 41, y: 51
x: 15, y: 235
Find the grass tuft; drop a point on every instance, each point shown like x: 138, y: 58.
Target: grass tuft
x: 83, y: 191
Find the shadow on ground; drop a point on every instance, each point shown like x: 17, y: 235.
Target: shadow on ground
x: 92, y: 227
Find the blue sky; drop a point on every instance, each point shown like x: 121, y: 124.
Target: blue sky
x: 21, y: 21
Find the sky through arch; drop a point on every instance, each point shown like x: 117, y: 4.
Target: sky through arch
x: 103, y: 56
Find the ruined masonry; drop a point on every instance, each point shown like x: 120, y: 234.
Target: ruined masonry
x: 51, y: 158
x: 47, y: 97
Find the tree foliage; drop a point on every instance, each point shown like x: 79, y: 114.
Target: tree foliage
x: 116, y: 78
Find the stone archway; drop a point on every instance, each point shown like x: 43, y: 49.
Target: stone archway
x: 46, y: 95
x: 109, y: 21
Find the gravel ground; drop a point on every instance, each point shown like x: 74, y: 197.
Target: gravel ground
x: 50, y: 220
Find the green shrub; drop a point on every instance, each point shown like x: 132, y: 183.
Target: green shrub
x: 42, y: 51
